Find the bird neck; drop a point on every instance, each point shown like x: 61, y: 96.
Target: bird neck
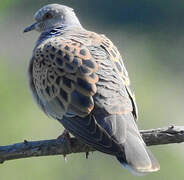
x: 59, y: 30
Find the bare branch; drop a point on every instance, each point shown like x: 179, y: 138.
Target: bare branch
x: 167, y: 135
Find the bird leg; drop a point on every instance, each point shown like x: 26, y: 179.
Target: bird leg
x: 65, y: 136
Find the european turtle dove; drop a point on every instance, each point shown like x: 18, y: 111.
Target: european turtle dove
x: 78, y: 77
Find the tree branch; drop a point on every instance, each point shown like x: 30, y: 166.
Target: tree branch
x: 167, y: 135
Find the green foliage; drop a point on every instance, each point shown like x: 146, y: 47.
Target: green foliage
x: 5, y: 4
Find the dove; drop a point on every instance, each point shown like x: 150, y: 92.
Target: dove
x: 78, y: 77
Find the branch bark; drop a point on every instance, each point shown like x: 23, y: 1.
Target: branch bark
x: 167, y: 135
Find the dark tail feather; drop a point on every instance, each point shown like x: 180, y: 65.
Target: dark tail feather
x: 138, y: 158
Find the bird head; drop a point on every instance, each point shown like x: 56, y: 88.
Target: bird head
x: 52, y: 16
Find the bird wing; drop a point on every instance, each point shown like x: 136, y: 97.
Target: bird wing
x: 114, y: 102
x: 117, y: 60
x: 64, y: 77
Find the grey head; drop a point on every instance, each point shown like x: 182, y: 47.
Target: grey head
x: 52, y: 16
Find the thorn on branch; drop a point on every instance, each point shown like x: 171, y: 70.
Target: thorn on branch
x: 25, y: 142
x: 171, y: 127
x: 1, y: 161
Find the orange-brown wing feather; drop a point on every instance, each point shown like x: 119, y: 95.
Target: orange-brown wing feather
x: 116, y: 58
x: 64, y: 77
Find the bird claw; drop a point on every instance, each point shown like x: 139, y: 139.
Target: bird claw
x: 65, y: 158
x: 87, y: 155
x: 65, y: 136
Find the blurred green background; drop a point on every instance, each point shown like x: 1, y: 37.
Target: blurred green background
x: 148, y: 33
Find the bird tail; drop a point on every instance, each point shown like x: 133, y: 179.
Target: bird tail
x: 137, y: 158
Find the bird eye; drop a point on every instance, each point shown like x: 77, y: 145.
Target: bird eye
x: 47, y: 16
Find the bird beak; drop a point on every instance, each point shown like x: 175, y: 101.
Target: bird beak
x: 31, y: 27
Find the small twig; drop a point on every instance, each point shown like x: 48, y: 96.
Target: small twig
x: 167, y: 135
x: 172, y: 134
